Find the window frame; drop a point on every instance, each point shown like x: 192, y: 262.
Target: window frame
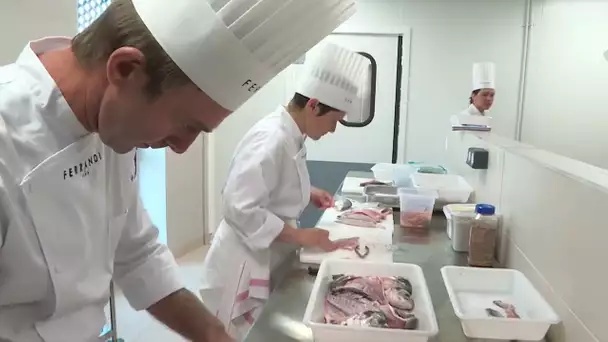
x: 372, y: 101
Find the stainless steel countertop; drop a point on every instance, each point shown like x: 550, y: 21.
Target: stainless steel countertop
x: 281, y: 319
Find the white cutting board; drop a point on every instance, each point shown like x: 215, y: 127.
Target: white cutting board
x: 352, y: 185
x: 378, y: 240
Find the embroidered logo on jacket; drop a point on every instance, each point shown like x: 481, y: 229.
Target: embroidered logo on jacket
x: 83, y: 168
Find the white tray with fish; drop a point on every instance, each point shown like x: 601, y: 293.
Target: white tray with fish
x: 375, y: 242
x: 497, y: 304
x: 397, y: 308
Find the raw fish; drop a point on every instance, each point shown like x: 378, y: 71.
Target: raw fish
x: 384, y: 302
x: 371, y: 318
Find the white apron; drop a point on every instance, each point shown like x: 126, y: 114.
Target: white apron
x: 239, y: 279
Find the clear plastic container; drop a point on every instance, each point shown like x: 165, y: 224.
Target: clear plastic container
x: 484, y: 232
x: 402, y: 176
x: 416, y: 207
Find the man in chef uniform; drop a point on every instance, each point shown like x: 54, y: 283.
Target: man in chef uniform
x: 147, y: 73
x: 268, y: 187
x: 481, y: 99
x: 482, y: 94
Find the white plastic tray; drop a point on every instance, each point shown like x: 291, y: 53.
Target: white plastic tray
x: 313, y: 317
x: 472, y: 290
x: 451, y: 188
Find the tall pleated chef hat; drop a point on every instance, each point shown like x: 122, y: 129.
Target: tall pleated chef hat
x: 484, y: 75
x: 336, y: 76
x: 231, y: 48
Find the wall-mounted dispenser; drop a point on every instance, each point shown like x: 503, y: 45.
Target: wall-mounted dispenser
x: 478, y: 158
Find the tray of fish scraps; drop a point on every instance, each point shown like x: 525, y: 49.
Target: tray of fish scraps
x: 364, y: 231
x: 499, y: 304
x: 360, y: 301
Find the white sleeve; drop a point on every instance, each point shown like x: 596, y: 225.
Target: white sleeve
x: 253, y: 176
x: 143, y: 267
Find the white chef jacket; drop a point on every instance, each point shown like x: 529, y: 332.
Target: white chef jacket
x: 268, y: 185
x: 70, y: 216
x: 265, y: 181
x: 471, y: 110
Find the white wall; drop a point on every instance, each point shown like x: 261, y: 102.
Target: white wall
x: 25, y: 20
x: 553, y: 229
x: 566, y: 107
x: 186, y: 198
x: 447, y: 38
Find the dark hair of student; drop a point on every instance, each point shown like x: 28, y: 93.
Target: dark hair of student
x: 299, y: 101
x: 473, y: 93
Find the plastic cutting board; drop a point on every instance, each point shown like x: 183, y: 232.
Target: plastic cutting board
x: 377, y: 239
x: 352, y: 185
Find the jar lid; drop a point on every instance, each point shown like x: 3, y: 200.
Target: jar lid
x: 485, y: 209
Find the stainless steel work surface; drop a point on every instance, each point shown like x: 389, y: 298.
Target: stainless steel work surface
x: 281, y: 319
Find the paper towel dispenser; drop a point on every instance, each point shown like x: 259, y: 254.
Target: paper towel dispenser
x: 478, y: 158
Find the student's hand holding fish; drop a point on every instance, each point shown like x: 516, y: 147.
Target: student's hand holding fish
x: 321, y: 198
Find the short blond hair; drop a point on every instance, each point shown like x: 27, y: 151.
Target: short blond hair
x: 118, y: 26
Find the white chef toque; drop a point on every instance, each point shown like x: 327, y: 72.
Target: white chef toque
x: 231, y: 48
x: 334, y: 76
x: 484, y: 75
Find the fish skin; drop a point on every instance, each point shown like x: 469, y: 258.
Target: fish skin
x: 493, y: 313
x: 371, y: 318
x: 353, y: 299
x: 509, y: 308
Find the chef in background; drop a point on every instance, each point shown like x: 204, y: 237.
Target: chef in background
x: 146, y: 73
x: 268, y: 187
x: 482, y: 94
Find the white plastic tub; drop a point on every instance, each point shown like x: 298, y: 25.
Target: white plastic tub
x: 451, y: 188
x: 313, y: 317
x: 453, y: 212
x: 472, y: 290
x: 383, y: 172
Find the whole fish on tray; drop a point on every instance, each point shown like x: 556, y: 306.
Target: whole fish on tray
x: 381, y: 302
x: 369, y: 217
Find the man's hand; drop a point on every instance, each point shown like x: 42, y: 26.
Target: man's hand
x: 185, y: 314
x: 321, y: 198
x: 316, y: 237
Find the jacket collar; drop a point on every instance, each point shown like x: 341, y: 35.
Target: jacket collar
x: 292, y: 127
x: 474, y: 111
x: 49, y: 100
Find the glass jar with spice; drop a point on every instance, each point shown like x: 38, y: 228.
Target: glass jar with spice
x: 484, y: 232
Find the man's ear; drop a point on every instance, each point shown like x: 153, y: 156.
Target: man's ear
x: 313, y: 104
x: 126, y: 65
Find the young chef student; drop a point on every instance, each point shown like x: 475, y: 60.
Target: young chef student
x: 147, y: 73
x: 268, y: 187
x: 482, y: 94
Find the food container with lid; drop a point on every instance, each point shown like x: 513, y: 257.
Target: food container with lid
x: 459, y: 219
